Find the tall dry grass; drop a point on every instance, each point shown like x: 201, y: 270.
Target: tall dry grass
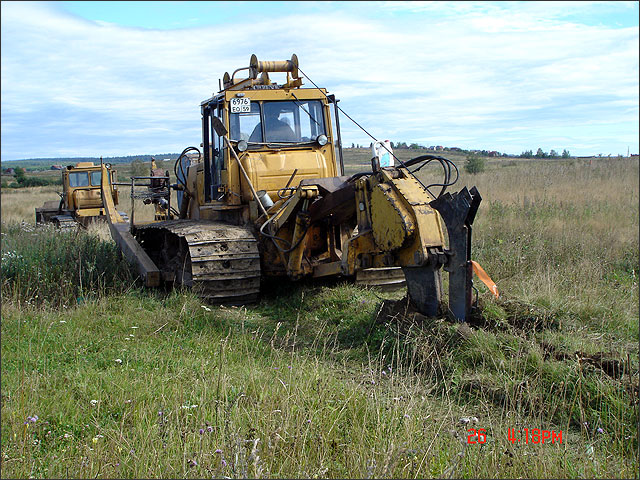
x: 19, y: 204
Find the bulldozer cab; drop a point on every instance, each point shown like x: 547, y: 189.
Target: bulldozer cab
x: 81, y: 188
x: 81, y: 200
x: 276, y: 131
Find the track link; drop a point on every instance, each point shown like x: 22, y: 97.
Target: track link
x: 220, y: 262
x: 64, y: 222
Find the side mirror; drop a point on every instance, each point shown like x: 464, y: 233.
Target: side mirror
x: 218, y: 126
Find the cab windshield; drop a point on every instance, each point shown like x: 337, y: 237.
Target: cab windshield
x: 78, y: 179
x: 281, y: 122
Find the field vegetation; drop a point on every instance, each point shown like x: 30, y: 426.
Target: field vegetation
x: 101, y: 378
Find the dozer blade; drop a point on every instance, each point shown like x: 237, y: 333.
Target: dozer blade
x: 458, y: 212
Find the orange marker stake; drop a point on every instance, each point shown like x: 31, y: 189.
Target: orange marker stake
x: 486, y: 279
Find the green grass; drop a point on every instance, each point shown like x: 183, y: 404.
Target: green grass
x: 313, y: 415
x: 330, y: 379
x: 44, y: 267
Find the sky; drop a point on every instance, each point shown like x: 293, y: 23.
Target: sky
x: 127, y: 78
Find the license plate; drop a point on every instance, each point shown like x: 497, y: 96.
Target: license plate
x: 240, y: 105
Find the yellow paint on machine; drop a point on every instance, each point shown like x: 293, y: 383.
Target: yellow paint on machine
x: 271, y: 171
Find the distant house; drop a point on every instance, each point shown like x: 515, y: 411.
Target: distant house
x: 493, y: 153
x: 56, y: 167
x: 9, y: 171
x: 439, y: 148
x: 455, y: 149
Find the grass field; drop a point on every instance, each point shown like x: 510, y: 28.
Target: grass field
x: 103, y: 379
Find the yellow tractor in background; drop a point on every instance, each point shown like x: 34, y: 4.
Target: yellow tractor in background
x: 81, y: 198
x: 267, y: 197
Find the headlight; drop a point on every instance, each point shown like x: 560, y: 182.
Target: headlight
x: 242, y: 145
x: 322, y: 140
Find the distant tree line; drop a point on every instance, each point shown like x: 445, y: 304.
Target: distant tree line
x: 31, y: 164
x: 542, y: 154
x: 485, y: 153
x: 21, y: 180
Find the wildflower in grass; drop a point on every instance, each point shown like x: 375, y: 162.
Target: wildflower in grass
x: 209, y: 429
x: 309, y: 421
x: 201, y: 431
x: 599, y: 430
x: 406, y: 415
x: 33, y: 419
x: 118, y: 361
x: 218, y: 451
x: 63, y: 321
x: 160, y: 413
x: 224, y: 463
x: 206, y: 309
x: 93, y: 403
x: 193, y: 463
x: 384, y: 372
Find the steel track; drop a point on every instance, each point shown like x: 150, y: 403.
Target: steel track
x: 220, y: 262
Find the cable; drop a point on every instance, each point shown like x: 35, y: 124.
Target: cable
x: 446, y: 167
x: 274, y: 237
x: 445, y: 184
x: 178, y: 161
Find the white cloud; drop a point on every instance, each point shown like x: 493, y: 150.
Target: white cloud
x: 448, y: 72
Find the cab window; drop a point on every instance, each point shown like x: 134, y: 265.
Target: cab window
x: 243, y: 125
x: 96, y: 178
x: 293, y: 121
x: 78, y: 179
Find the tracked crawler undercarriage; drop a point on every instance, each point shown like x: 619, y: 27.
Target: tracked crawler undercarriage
x: 220, y: 262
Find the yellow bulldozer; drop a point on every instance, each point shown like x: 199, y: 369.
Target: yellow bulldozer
x: 266, y: 197
x: 81, y: 198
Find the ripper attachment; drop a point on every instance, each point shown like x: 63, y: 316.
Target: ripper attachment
x: 458, y: 212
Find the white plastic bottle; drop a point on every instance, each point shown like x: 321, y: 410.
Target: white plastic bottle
x: 384, y: 152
